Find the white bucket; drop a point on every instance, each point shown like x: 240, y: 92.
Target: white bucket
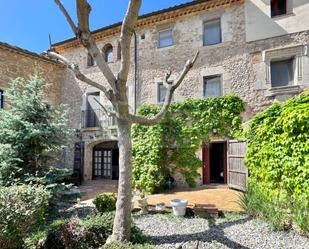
x: 179, y: 206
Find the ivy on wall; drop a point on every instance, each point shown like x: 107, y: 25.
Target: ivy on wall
x: 278, y: 148
x: 171, y: 145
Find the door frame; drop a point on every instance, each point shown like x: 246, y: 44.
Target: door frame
x: 206, y: 162
x: 102, y: 168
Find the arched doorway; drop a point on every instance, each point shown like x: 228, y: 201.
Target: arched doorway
x: 106, y: 161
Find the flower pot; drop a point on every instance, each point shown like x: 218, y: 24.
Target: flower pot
x: 142, y: 203
x: 179, y: 206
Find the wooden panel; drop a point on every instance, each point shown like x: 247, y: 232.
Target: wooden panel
x: 237, y: 170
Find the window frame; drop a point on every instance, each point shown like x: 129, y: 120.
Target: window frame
x: 1, y: 99
x: 158, y: 91
x: 291, y: 81
x: 172, y: 36
x: 218, y: 20
x: 209, y: 77
x: 91, y: 62
x: 106, y: 53
x: 279, y: 14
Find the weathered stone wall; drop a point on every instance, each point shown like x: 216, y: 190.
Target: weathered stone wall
x: 242, y: 65
x: 15, y: 64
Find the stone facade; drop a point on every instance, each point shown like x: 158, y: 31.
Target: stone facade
x: 243, y: 64
x: 16, y: 62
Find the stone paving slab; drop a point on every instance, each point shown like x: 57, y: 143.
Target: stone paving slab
x: 220, y: 196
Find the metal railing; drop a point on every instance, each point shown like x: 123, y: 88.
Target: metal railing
x: 97, y: 118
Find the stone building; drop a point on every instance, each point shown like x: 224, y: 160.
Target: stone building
x: 257, y: 49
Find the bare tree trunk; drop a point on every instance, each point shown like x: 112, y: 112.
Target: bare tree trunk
x: 122, y: 222
x: 116, y: 94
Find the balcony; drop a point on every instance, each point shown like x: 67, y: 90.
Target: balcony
x: 98, y: 119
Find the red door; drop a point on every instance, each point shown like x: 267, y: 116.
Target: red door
x: 206, y: 164
x: 214, y: 154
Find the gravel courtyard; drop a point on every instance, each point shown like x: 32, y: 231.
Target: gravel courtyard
x: 234, y: 231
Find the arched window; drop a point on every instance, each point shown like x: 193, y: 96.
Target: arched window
x: 1, y: 99
x: 91, y: 61
x: 108, y: 53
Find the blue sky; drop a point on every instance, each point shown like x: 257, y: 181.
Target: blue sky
x: 27, y: 23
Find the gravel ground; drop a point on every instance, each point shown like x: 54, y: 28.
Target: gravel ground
x: 234, y: 231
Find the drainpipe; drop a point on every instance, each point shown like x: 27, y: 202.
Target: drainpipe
x: 135, y: 72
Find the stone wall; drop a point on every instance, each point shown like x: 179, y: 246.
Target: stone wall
x: 243, y: 66
x: 14, y: 63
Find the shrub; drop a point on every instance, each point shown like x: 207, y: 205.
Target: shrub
x: 98, y: 228
x: 105, y: 202
x: 89, y: 233
x: 22, y: 210
x: 278, y: 162
x: 116, y: 245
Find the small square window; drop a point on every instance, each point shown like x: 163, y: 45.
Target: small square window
x: 212, y: 32
x: 212, y: 87
x: 165, y: 38
x: 282, y: 73
x: 278, y: 7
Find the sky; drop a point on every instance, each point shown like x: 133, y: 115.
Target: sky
x: 27, y: 23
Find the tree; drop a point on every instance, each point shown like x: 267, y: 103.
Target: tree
x: 116, y: 94
x: 31, y: 130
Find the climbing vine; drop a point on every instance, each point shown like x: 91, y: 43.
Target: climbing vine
x: 172, y: 144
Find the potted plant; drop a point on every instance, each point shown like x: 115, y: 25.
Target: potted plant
x: 142, y: 202
x: 179, y: 206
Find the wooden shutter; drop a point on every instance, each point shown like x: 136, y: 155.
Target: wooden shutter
x: 78, y: 167
x: 237, y: 170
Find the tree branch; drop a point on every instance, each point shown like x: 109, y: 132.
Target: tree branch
x: 74, y: 67
x: 168, y: 98
x: 82, y: 32
x: 107, y: 112
x: 127, y: 30
x: 67, y: 16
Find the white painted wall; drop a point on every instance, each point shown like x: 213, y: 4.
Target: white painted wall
x: 260, y: 25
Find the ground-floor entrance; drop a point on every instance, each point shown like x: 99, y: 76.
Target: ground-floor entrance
x: 106, y: 161
x: 215, y: 163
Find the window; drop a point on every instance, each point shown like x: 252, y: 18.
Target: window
x: 1, y: 99
x: 278, y: 7
x: 161, y: 92
x: 108, y: 53
x: 282, y: 73
x: 91, y: 61
x: 212, y: 86
x: 212, y: 32
x: 165, y: 38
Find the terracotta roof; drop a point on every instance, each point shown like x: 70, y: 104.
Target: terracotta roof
x: 26, y: 52
x: 214, y: 3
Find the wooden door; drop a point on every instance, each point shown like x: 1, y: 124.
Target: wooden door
x: 214, y: 156
x: 206, y: 164
x: 237, y: 170
x: 102, y: 160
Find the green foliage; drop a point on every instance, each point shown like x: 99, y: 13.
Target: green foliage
x: 91, y: 232
x: 22, y: 210
x: 278, y: 159
x: 172, y: 144
x: 105, y: 202
x: 98, y: 228
x: 31, y: 130
x: 117, y: 245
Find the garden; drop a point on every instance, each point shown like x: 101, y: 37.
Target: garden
x: 39, y: 210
